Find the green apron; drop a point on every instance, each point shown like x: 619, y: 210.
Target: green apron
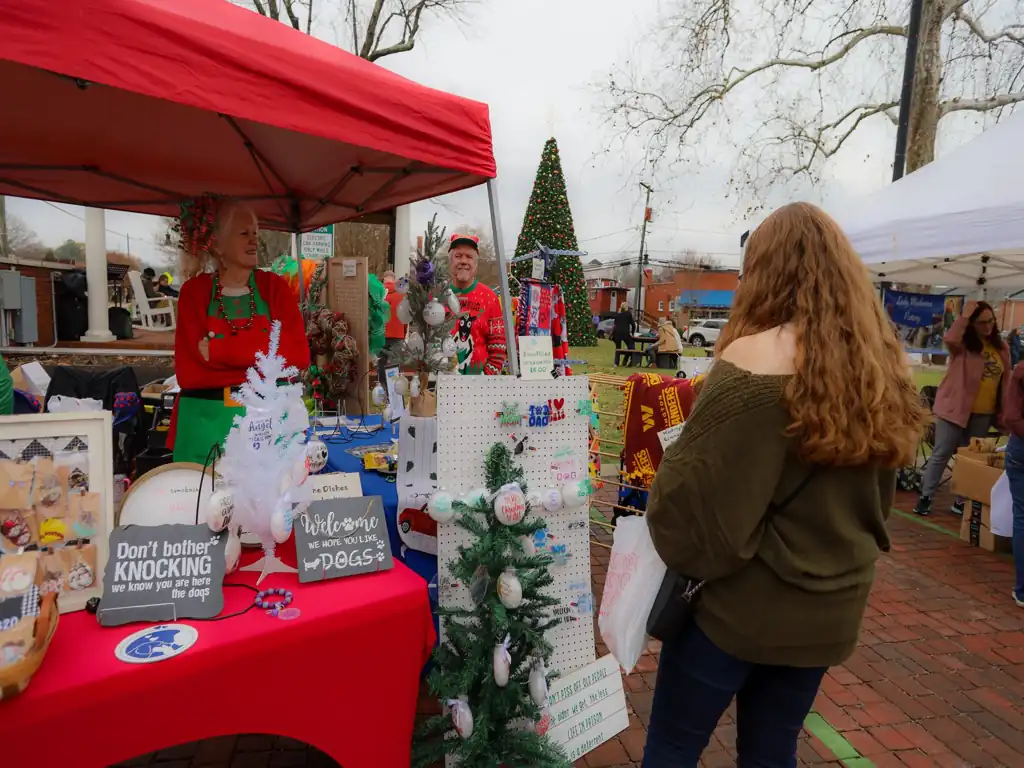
x: 205, y: 422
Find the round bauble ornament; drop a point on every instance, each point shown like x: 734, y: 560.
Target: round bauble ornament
x: 479, y: 585
x: 379, y: 395
x: 414, y: 344
x: 387, y: 416
x: 552, y: 499
x: 529, y: 547
x: 404, y: 312
x: 502, y: 663
x: 453, y: 303
x: 510, y: 590
x: 510, y: 504
x: 402, y: 285
x: 462, y: 717
x: 441, y: 507
x: 475, y: 497
x: 280, y: 526
x: 414, y: 386
x: 448, y: 347
x: 402, y: 385
x: 575, y: 494
x: 544, y: 723
x: 538, y: 683
x: 232, y: 552
x: 433, y: 313
x: 219, y: 508
x: 316, y: 452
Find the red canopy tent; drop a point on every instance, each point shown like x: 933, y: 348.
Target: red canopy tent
x: 140, y: 104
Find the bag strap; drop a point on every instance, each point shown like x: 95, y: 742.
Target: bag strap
x: 796, y: 491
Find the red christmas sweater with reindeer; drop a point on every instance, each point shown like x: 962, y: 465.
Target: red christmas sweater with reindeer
x: 480, y: 331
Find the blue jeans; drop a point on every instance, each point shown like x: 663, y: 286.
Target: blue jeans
x: 696, y: 683
x: 1015, y: 474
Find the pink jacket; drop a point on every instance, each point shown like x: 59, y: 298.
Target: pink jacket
x: 963, y: 377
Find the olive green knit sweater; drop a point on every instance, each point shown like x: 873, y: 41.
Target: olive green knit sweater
x: 788, y: 587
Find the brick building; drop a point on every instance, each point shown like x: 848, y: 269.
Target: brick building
x: 605, y: 295
x: 692, y: 293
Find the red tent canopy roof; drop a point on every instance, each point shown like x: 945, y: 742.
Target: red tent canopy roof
x: 140, y: 104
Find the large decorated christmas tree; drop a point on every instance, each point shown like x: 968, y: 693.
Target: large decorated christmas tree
x: 548, y: 221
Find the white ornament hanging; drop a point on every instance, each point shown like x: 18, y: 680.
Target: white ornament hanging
x: 538, y: 683
x: 232, y: 552
x: 280, y: 526
x: 510, y: 590
x: 440, y: 507
x: 574, y: 494
x: 388, y: 415
x: 502, y: 662
x: 433, y: 313
x: 448, y: 347
x: 529, y: 547
x: 316, y: 452
x: 552, y: 499
x: 453, y: 303
x: 414, y: 343
x: 414, y: 386
x: 462, y: 716
x: 219, y: 508
x: 379, y: 395
x: 402, y: 385
x: 510, y: 504
x: 402, y: 285
x: 534, y: 500
x: 476, y: 497
x: 404, y: 312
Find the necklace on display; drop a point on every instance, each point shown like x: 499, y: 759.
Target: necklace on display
x: 218, y: 296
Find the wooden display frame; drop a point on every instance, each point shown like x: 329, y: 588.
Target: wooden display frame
x: 96, y: 430
x: 348, y: 292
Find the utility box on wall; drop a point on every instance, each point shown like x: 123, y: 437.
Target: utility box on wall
x: 26, y: 322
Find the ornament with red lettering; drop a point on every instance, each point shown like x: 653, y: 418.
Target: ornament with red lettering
x: 510, y: 504
x: 556, y: 408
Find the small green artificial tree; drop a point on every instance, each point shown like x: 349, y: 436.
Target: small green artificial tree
x: 464, y: 663
x: 548, y: 221
x: 424, y: 347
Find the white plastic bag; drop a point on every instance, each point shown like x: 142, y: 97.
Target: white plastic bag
x: 62, y: 404
x: 635, y: 573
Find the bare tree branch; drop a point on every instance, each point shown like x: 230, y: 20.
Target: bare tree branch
x: 980, y: 105
x: 1013, y: 33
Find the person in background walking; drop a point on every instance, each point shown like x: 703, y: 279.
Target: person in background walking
x: 623, y: 330
x: 971, y: 397
x: 777, y: 492
x: 1016, y: 347
x: 1015, y: 474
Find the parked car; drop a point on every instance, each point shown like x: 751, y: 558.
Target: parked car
x: 604, y: 329
x: 700, y: 333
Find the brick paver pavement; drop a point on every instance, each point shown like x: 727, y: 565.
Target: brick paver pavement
x: 938, y: 679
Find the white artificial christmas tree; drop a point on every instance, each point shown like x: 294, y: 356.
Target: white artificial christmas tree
x: 265, y: 463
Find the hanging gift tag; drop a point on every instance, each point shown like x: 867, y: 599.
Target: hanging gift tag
x: 537, y: 272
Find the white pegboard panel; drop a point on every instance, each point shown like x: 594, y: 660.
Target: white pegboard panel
x: 467, y: 427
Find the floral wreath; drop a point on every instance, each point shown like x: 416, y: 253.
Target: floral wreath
x: 331, y: 344
x: 196, y: 223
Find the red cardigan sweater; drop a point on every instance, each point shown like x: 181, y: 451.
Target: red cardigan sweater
x: 231, y: 357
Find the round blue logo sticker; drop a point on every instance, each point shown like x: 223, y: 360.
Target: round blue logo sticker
x: 163, y: 641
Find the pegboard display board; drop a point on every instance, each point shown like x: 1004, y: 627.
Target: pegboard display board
x: 467, y: 427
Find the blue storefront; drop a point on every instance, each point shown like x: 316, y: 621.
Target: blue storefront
x: 704, y: 304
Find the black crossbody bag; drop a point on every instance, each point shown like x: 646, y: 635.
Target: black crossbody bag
x: 678, y: 594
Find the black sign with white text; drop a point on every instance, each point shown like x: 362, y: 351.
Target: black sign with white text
x: 342, y: 537
x: 163, y: 573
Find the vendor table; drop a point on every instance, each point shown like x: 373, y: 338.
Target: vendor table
x: 376, y: 484
x: 635, y: 356
x: 342, y: 677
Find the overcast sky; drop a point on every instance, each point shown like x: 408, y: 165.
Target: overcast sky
x: 536, y: 63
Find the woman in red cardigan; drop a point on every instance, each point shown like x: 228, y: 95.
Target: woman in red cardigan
x: 225, y: 311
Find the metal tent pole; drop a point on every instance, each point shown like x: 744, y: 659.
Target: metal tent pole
x: 506, y: 297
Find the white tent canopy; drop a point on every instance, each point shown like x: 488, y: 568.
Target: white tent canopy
x: 957, y: 222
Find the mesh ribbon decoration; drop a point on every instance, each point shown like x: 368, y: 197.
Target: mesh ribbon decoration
x: 195, y: 225
x: 335, y: 355
x: 379, y: 313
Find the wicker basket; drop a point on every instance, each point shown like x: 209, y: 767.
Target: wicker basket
x: 15, y: 677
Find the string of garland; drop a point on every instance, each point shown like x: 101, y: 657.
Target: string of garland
x: 194, y: 226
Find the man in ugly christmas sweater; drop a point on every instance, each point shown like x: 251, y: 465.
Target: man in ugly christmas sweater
x: 480, y: 331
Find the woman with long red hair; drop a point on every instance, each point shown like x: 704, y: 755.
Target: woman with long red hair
x: 777, y: 492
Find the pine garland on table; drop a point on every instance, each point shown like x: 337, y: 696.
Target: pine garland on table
x: 465, y: 674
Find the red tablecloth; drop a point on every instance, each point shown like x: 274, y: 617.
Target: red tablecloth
x: 342, y: 677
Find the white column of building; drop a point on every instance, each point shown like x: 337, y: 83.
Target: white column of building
x: 96, y: 275
x: 403, y: 239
